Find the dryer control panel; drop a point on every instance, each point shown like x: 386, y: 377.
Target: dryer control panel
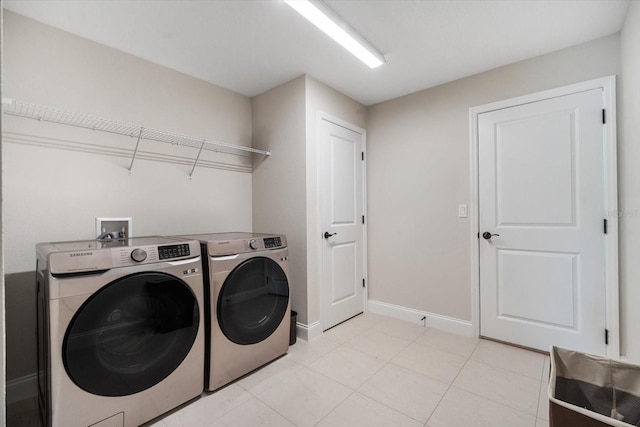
x: 223, y: 244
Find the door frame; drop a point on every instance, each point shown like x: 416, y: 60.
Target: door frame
x: 319, y: 226
x: 608, y: 86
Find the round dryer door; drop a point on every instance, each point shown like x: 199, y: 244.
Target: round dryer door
x: 131, y: 334
x: 253, y: 301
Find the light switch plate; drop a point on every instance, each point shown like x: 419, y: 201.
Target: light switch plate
x: 462, y: 211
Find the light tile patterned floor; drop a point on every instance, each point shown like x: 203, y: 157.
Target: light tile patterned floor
x: 377, y: 371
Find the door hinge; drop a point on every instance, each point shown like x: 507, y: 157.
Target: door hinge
x: 606, y: 336
x: 605, y: 226
x: 363, y: 283
x: 604, y: 116
x: 363, y: 156
x: 363, y: 219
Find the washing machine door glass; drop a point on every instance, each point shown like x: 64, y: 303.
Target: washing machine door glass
x: 253, y: 301
x: 131, y: 334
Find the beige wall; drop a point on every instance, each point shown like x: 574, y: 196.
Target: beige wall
x: 57, y: 179
x: 629, y: 182
x: 279, y: 183
x: 418, y: 174
x: 54, y: 183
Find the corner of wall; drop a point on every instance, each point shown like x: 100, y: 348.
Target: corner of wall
x: 279, y: 183
x: 629, y: 177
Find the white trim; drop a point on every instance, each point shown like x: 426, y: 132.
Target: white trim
x: 321, y: 115
x: 308, y: 332
x: 337, y: 121
x: 22, y: 388
x: 608, y: 86
x: 611, y: 189
x: 432, y: 320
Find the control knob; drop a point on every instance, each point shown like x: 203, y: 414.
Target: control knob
x: 253, y: 244
x: 138, y: 255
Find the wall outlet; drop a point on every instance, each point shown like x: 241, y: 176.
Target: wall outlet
x: 462, y: 211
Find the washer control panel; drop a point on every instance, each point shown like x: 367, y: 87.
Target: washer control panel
x: 96, y: 255
x: 138, y: 255
x: 173, y: 251
x: 272, y: 242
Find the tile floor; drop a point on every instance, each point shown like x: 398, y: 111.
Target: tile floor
x: 377, y: 371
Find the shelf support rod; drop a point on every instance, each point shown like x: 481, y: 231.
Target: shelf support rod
x: 135, y: 152
x: 193, y: 168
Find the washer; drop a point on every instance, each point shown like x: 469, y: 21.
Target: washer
x: 120, y: 330
x: 248, y: 278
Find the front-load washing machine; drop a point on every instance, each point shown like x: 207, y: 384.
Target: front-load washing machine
x: 249, y: 307
x: 120, y: 330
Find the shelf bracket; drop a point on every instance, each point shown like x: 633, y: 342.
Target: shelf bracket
x: 193, y: 168
x: 135, y: 152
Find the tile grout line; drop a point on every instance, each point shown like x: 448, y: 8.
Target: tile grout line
x: 273, y: 409
x: 343, y: 400
x: 356, y: 390
x: 342, y: 344
x: 540, y: 389
x: 493, y: 400
x: 451, y: 384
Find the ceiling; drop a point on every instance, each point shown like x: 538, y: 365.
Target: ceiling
x: 251, y: 46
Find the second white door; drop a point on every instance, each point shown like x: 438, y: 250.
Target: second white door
x: 341, y: 185
x: 542, y: 202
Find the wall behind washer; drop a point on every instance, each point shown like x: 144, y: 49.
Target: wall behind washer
x: 418, y: 174
x: 57, y: 179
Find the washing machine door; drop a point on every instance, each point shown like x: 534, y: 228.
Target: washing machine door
x: 131, y: 334
x: 253, y: 300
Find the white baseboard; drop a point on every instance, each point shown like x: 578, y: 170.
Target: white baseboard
x: 308, y: 332
x: 22, y: 388
x: 438, y: 321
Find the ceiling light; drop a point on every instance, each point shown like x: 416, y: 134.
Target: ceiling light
x: 335, y: 27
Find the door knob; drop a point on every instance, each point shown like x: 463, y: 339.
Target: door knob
x: 488, y: 235
x: 327, y: 234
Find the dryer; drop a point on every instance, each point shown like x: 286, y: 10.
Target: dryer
x: 120, y: 330
x: 249, y: 306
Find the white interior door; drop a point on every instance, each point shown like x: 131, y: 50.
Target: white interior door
x: 542, y: 196
x: 342, y: 209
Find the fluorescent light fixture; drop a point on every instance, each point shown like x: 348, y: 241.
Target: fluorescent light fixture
x: 332, y: 25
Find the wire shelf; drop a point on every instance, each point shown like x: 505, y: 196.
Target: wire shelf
x: 44, y: 113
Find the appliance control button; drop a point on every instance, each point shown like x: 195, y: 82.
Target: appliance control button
x: 253, y: 244
x: 138, y: 255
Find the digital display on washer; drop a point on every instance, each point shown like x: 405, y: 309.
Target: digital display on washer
x: 174, y: 251
x: 272, y: 242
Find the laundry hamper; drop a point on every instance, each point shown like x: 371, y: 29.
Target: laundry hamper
x: 589, y: 391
